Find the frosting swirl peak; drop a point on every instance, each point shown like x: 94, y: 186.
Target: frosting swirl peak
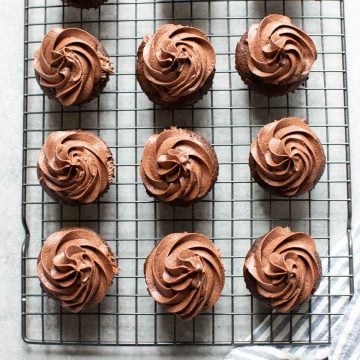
x: 184, y: 274
x: 176, y: 65
x: 287, y: 158
x: 76, y: 267
x: 71, y: 66
x: 279, y: 51
x: 283, y: 269
x: 275, y: 57
x: 75, y: 167
x: 178, y: 166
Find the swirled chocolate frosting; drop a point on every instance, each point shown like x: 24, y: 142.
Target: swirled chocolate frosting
x: 75, y: 167
x: 178, y: 166
x: 76, y: 267
x: 275, y: 57
x: 85, y: 4
x: 71, y: 66
x: 175, y: 67
x: 283, y: 269
x: 184, y: 273
x: 287, y: 158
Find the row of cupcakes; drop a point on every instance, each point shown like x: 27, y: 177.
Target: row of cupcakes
x: 175, y: 66
x: 184, y: 272
x: 178, y: 166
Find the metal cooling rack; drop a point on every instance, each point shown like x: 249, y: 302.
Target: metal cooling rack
x: 235, y: 213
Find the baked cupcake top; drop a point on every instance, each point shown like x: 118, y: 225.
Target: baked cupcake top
x: 278, y: 51
x: 76, y: 267
x: 75, y: 167
x: 287, y: 158
x: 283, y: 268
x: 71, y: 66
x: 184, y: 273
x: 178, y: 166
x: 176, y: 62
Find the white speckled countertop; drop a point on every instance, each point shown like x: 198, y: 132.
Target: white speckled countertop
x: 11, y: 75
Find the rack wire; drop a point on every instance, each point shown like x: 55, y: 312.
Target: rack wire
x: 235, y: 213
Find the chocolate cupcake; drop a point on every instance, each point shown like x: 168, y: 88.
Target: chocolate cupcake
x: 71, y: 66
x: 178, y: 166
x: 275, y: 57
x: 283, y: 269
x: 287, y: 158
x: 175, y: 67
x: 184, y: 274
x: 76, y: 267
x: 85, y: 4
x: 75, y: 167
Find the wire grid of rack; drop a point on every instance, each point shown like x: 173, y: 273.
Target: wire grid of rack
x: 235, y: 213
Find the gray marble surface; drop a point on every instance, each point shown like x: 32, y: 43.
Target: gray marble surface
x: 11, y: 75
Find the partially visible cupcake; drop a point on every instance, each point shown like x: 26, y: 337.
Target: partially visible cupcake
x: 75, y: 167
x: 275, y: 57
x: 76, y: 267
x: 184, y: 274
x: 71, y: 66
x: 175, y: 67
x: 85, y: 4
x: 283, y: 269
x: 178, y: 166
x: 287, y: 158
